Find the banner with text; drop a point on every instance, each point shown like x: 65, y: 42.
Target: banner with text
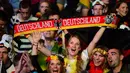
x: 70, y: 23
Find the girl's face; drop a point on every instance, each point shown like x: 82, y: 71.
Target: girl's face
x: 123, y: 9
x: 55, y: 66
x: 98, y: 59
x: 73, y: 46
x: 44, y: 6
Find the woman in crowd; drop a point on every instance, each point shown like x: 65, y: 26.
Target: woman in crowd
x: 55, y: 64
x: 44, y: 8
x: 121, y: 13
x: 98, y: 63
x: 47, y: 6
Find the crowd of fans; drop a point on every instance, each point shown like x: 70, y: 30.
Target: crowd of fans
x: 45, y: 52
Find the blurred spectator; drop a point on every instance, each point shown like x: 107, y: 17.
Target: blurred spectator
x: 6, y: 13
x: 121, y: 13
x: 21, y: 43
x: 97, y: 8
x: 23, y: 64
x: 44, y: 8
x: 5, y: 62
x: 7, y: 7
x: 3, y: 21
x: 24, y: 14
x: 54, y: 5
x: 4, y: 37
x: 15, y: 5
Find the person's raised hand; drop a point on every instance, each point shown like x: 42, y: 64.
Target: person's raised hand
x: 36, y: 36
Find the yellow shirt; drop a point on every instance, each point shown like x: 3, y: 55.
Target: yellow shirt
x: 70, y: 65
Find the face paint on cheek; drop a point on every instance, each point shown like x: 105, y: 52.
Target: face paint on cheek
x: 68, y: 46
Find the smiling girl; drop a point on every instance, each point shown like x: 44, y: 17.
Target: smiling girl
x: 55, y: 64
x: 121, y: 13
x: 98, y: 62
x: 75, y: 60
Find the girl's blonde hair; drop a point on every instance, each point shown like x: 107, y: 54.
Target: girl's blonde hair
x: 103, y: 50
